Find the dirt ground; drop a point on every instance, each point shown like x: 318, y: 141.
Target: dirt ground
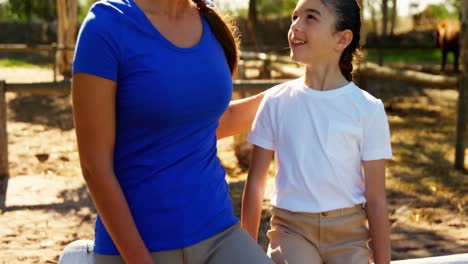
x: 47, y: 205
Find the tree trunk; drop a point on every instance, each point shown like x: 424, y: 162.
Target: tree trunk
x: 463, y: 88
x: 363, y: 30
x: 384, y: 31
x: 67, y: 25
x: 373, y: 17
x: 361, y: 4
x: 394, y: 17
x: 252, y: 25
x: 384, y: 17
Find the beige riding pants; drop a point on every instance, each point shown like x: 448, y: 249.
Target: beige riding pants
x: 334, y: 237
x: 232, y: 246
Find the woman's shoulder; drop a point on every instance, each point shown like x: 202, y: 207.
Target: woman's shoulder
x: 110, y: 8
x: 105, y: 16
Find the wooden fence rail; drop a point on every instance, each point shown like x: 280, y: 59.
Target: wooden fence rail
x: 52, y: 49
x: 242, y: 87
x: 3, y: 147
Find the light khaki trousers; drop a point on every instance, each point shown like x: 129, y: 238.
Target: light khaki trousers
x: 232, y: 246
x: 334, y: 237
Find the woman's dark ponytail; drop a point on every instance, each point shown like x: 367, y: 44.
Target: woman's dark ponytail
x: 225, y: 31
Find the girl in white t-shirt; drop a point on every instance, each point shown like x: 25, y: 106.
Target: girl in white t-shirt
x: 330, y: 141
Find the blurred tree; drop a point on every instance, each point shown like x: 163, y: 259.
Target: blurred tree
x: 384, y: 6
x: 5, y: 13
x: 373, y: 13
x: 463, y: 92
x: 413, y: 7
x: 253, y: 19
x: 275, y: 7
x: 67, y: 26
x: 394, y: 17
x: 83, y: 8
x: 26, y: 10
x: 457, y: 6
x: 440, y: 11
x: 267, y: 8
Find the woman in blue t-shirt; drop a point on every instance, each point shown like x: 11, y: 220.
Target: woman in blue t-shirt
x: 151, y: 96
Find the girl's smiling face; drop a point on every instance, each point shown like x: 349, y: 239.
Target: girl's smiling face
x: 312, y: 36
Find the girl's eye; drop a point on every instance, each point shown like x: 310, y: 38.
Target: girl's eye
x: 311, y: 17
x: 293, y: 18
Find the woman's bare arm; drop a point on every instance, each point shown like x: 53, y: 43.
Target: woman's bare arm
x: 239, y: 116
x: 94, y: 115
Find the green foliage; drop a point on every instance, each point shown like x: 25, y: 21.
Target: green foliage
x: 84, y: 8
x: 5, y: 13
x: 432, y: 56
x: 276, y: 7
x: 457, y: 7
x: 440, y: 12
x: 269, y: 8
x: 22, y: 59
x: 26, y: 10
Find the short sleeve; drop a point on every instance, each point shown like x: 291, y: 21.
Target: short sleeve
x: 376, y: 136
x: 96, y: 50
x: 262, y: 133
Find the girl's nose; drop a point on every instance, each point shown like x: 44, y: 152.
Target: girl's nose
x: 295, y: 25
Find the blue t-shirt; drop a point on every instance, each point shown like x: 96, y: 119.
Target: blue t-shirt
x: 168, y: 103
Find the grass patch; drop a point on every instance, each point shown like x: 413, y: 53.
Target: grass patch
x: 23, y: 59
x: 7, y: 63
x: 432, y: 56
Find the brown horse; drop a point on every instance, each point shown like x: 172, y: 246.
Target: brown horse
x: 448, y: 37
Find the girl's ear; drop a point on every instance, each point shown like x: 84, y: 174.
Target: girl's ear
x: 344, y: 39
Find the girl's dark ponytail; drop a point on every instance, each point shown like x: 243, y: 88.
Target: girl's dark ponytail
x: 348, y: 16
x: 346, y: 64
x: 225, y: 31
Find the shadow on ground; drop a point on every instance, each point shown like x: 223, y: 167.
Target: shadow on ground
x: 53, y: 111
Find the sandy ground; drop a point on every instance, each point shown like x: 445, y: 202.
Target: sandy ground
x: 47, y: 205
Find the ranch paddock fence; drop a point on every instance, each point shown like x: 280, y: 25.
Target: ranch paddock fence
x: 53, y: 50
x: 242, y: 88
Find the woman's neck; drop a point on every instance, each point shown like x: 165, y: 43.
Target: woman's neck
x: 168, y: 8
x: 324, y: 77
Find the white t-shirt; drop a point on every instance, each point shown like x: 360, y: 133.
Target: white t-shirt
x: 320, y: 139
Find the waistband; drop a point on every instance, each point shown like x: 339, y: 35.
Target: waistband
x: 325, y: 214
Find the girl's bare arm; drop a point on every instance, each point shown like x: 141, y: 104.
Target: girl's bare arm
x: 377, y: 211
x: 254, y: 190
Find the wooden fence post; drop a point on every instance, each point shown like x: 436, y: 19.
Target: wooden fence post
x: 3, y: 146
x: 463, y: 96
